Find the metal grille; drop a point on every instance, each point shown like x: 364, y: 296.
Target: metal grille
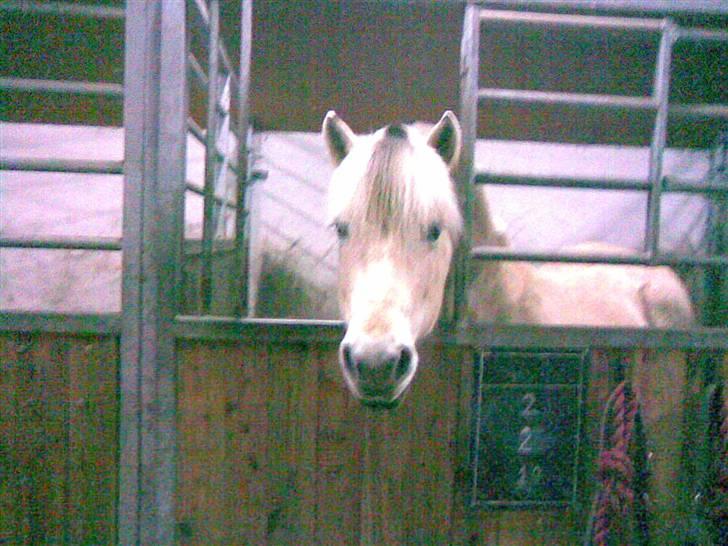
x: 472, y: 96
x: 226, y: 90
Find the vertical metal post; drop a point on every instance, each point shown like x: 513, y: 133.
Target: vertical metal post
x: 155, y: 115
x: 244, y: 137
x: 469, y: 65
x: 660, y: 94
x: 208, y: 226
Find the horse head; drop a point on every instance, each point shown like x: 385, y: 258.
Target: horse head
x: 393, y: 205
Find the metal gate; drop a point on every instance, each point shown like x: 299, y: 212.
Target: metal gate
x: 164, y: 425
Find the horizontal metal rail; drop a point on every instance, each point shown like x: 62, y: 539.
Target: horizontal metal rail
x: 701, y: 35
x: 197, y: 190
x: 480, y: 335
x: 698, y: 111
x: 658, y: 7
x: 579, y: 21
x: 64, y: 9
x: 506, y: 254
x: 559, y: 182
x: 668, y: 184
x: 589, y: 100
x: 526, y: 336
x: 523, y: 96
x: 61, y: 166
x: 64, y: 243
x: 106, y: 89
x: 330, y: 332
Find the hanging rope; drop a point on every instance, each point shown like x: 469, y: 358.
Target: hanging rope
x: 616, y: 471
x: 717, y: 509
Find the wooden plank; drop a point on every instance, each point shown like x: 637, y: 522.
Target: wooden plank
x: 32, y: 528
x: 92, y: 365
x: 430, y: 472
x: 247, y: 425
x: 338, y: 456
x: 385, y: 443
x: 660, y: 380
x: 292, y: 444
x: 202, y: 484
x: 12, y: 426
x: 52, y: 385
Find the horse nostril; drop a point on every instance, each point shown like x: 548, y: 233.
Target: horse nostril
x: 403, y: 364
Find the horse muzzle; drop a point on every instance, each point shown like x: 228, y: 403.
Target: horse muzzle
x: 377, y: 373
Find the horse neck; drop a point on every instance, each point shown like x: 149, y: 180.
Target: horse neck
x: 500, y: 289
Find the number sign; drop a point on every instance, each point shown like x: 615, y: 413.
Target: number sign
x: 526, y: 428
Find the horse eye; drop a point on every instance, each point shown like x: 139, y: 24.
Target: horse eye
x: 342, y: 230
x: 433, y: 232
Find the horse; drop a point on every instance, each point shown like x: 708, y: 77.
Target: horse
x: 393, y: 203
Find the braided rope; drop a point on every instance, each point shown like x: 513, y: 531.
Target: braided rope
x: 718, y: 511
x: 615, y: 468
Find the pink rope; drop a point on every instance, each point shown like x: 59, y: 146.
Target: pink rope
x: 615, y: 467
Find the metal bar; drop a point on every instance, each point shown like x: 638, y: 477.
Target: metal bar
x: 569, y: 20
x: 245, y: 133
x: 699, y: 111
x: 64, y: 8
x: 208, y: 227
x: 669, y: 184
x: 61, y: 323
x: 469, y: 63
x: 189, y: 186
x: 85, y: 243
x: 659, y: 7
x: 197, y: 131
x: 679, y: 186
x: 197, y: 70
x: 113, y: 90
x: 487, y: 336
x: 522, y: 96
x: 205, y: 17
x: 477, y: 335
x: 155, y: 121
x: 701, y: 35
x: 506, y: 254
x: 558, y: 182
x: 61, y: 166
x: 660, y: 93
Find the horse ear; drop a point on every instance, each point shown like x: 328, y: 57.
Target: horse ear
x: 445, y: 137
x: 338, y: 136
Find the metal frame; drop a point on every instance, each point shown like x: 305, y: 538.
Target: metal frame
x: 156, y: 127
x: 655, y: 185
x: 155, y: 132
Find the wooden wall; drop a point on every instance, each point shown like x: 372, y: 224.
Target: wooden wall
x: 58, y: 439
x: 273, y: 450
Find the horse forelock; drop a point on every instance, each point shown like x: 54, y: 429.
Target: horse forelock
x: 405, y: 185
